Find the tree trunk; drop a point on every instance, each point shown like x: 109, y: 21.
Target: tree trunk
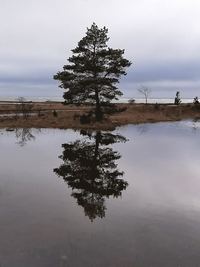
x: 98, y: 111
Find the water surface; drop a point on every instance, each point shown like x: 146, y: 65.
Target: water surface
x: 96, y: 199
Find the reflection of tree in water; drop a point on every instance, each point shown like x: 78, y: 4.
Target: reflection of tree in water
x: 143, y: 128
x: 89, y: 168
x: 24, y: 135
x: 195, y: 124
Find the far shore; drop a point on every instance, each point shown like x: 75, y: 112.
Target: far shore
x: 68, y: 116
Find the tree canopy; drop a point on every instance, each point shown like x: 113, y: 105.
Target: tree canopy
x: 93, y: 71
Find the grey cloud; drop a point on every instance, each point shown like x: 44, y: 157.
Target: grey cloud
x: 173, y: 71
x: 161, y: 38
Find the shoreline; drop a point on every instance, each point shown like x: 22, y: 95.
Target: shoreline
x: 68, y: 116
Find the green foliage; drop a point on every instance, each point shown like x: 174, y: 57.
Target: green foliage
x: 93, y: 71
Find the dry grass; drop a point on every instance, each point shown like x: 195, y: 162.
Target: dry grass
x: 68, y: 116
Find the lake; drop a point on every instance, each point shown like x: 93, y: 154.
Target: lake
x: 128, y: 198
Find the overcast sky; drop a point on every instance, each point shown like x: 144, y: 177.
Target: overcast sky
x: 160, y: 37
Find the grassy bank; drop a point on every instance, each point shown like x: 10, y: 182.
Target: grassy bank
x: 69, y: 116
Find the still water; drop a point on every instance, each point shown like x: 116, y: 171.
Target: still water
x: 128, y: 198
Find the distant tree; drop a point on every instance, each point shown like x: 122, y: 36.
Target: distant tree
x: 196, y: 100
x: 145, y: 91
x: 131, y: 101
x: 177, y: 100
x: 24, y: 107
x: 93, y: 71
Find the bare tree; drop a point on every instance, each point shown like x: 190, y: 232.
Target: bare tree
x: 145, y: 91
x: 24, y: 107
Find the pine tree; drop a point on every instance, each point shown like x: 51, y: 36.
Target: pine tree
x: 93, y: 71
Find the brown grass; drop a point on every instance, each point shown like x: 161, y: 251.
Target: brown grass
x: 68, y: 116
